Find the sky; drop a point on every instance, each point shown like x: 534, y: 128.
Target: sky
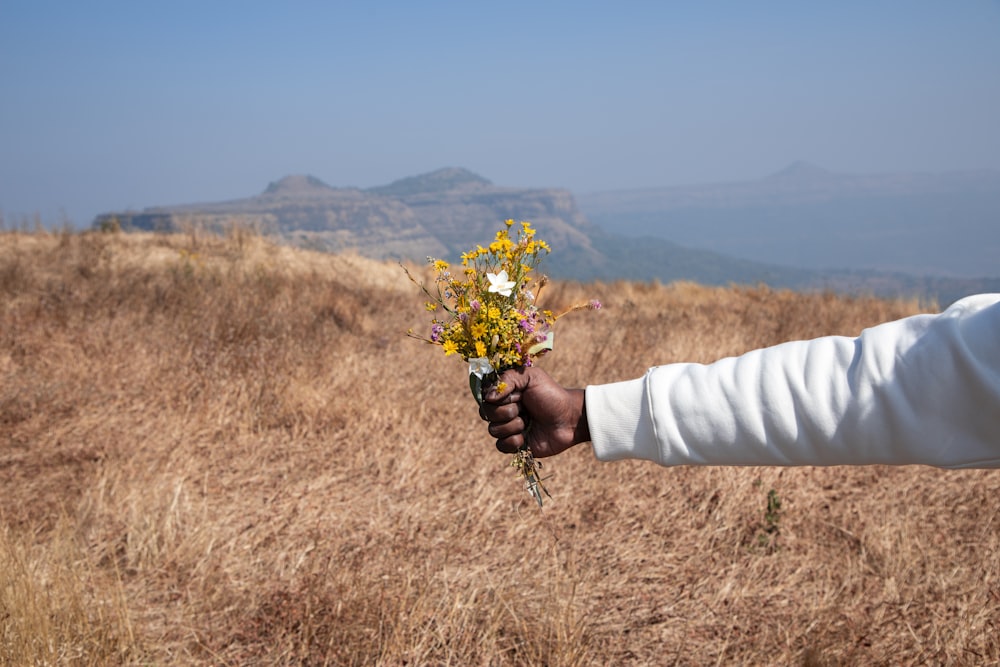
x: 111, y: 106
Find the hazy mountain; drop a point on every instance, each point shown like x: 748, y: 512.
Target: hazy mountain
x: 924, y: 224
x: 446, y: 212
x: 441, y: 214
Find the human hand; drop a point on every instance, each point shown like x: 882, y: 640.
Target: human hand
x: 534, y: 410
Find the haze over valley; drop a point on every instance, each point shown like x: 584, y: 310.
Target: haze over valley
x: 943, y: 224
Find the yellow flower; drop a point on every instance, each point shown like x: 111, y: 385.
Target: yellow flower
x: 430, y: 306
x: 480, y: 348
x: 478, y: 330
x: 493, y: 313
x: 440, y: 265
x: 450, y: 347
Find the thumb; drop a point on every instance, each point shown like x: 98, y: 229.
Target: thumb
x: 509, y: 385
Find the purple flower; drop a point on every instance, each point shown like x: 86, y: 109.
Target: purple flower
x: 436, y: 331
x: 595, y: 305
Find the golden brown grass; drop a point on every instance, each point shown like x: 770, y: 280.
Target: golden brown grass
x: 221, y: 451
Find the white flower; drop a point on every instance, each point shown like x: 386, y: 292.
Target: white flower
x: 480, y: 367
x: 500, y: 283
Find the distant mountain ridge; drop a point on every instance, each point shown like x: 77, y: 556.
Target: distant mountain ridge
x: 298, y: 185
x: 809, y: 217
x: 442, y: 180
x: 445, y: 212
x: 798, y: 181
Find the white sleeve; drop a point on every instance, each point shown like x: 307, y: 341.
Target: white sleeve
x: 921, y: 390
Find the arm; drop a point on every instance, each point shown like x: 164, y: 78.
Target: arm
x: 922, y: 390
x: 925, y: 389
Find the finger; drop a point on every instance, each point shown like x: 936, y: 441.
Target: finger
x: 501, y: 413
x: 509, y: 399
x: 493, y: 395
x: 495, y: 398
x: 507, y: 429
x: 511, y: 444
x: 512, y: 381
x: 498, y: 412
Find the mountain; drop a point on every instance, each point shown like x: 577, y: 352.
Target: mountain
x: 446, y: 212
x: 442, y: 180
x: 440, y: 214
x: 805, y: 216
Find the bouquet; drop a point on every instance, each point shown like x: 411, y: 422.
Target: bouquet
x: 485, y: 313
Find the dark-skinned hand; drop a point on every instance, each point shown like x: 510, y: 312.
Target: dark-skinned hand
x: 534, y: 409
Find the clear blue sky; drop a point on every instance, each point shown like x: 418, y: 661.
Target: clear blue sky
x: 113, y: 105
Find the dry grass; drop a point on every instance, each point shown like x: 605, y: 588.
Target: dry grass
x: 220, y: 451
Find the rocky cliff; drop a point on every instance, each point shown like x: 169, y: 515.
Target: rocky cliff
x: 441, y: 214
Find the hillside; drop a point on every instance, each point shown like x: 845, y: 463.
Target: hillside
x: 222, y: 451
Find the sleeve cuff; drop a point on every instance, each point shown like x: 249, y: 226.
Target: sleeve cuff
x: 620, y: 422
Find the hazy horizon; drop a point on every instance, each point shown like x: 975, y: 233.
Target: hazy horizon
x: 112, y: 106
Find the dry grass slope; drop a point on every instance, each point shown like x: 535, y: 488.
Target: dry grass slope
x: 221, y: 451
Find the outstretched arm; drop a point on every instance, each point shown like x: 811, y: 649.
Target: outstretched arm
x: 921, y: 390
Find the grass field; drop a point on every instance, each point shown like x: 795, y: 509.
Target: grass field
x: 219, y: 451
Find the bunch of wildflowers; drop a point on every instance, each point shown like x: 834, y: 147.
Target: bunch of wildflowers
x: 485, y: 313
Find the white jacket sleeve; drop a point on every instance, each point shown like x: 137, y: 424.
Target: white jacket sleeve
x: 921, y: 390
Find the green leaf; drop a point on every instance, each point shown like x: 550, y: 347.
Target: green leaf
x: 544, y: 345
x: 476, y: 384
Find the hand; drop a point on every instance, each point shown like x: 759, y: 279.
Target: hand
x: 534, y: 409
